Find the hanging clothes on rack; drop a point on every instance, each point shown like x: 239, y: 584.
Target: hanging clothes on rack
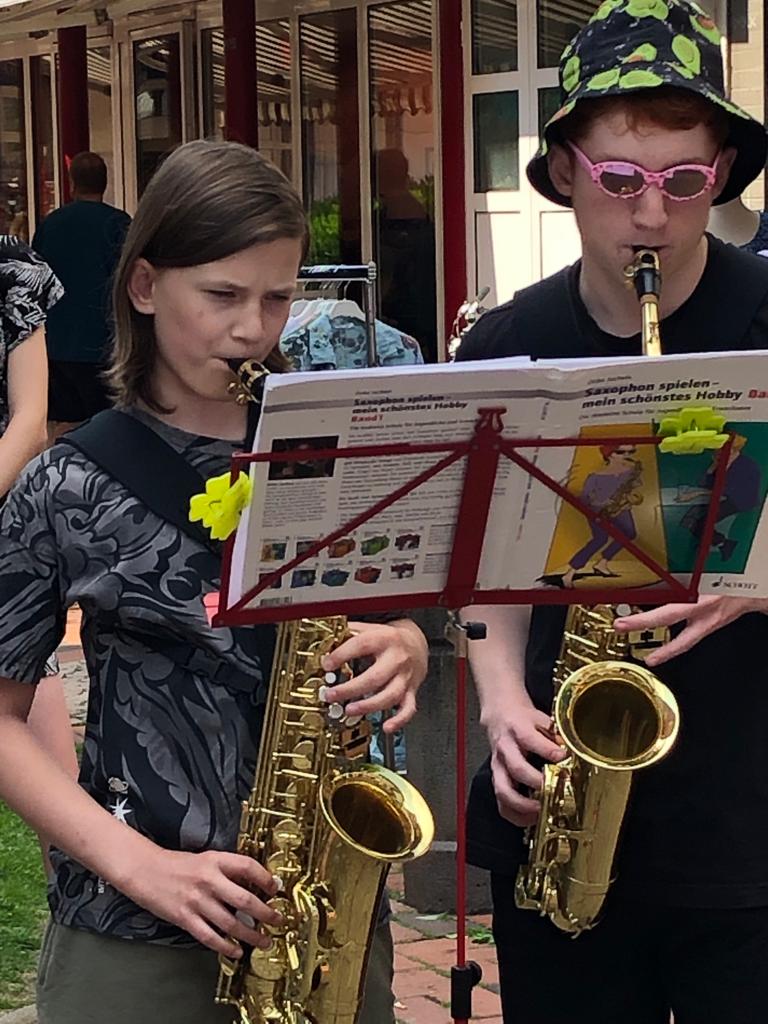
x: 336, y: 333
x: 330, y: 334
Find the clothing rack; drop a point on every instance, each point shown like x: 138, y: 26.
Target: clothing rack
x: 343, y: 273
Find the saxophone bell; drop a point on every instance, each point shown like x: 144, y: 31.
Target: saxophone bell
x: 615, y: 718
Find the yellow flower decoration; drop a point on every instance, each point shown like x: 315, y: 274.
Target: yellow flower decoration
x: 693, y: 430
x: 220, y: 507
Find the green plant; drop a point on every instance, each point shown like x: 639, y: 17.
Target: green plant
x: 23, y: 909
x: 480, y: 935
x: 325, y: 231
x: 424, y: 191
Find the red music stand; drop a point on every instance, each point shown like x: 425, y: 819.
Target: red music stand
x: 483, y: 452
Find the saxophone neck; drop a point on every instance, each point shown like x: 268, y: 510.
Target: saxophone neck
x: 644, y: 272
x: 247, y: 388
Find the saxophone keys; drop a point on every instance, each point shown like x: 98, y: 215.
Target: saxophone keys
x: 292, y: 950
x: 335, y: 712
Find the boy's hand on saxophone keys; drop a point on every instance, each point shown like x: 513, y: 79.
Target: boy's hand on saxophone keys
x: 521, y: 730
x: 398, y: 655
x: 706, y: 616
x: 209, y: 894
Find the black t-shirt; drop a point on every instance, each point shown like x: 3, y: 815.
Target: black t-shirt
x: 696, y: 831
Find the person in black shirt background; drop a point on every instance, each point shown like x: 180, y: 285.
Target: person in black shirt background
x: 81, y: 241
x: 685, y: 926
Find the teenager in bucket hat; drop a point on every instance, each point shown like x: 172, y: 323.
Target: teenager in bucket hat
x: 644, y: 144
x: 631, y: 46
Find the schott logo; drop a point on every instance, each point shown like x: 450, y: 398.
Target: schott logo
x: 733, y: 584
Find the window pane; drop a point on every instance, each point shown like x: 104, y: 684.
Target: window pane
x: 212, y: 43
x: 330, y: 136
x: 13, y: 158
x: 41, y: 69
x: 100, y: 111
x: 402, y: 160
x: 494, y: 36
x: 496, y: 134
x: 273, y: 75
x: 157, y: 84
x: 558, y: 22
x: 549, y: 104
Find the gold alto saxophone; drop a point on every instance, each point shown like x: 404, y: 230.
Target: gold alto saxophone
x: 613, y: 716
x: 627, y: 496
x: 324, y: 821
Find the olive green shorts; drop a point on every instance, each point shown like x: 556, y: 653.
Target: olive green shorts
x: 93, y: 979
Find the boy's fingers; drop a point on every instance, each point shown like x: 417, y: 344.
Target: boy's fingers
x: 240, y: 927
x: 207, y: 937
x: 666, y: 615
x: 238, y: 867
x: 403, y: 715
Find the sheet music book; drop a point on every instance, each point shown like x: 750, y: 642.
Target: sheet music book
x: 532, y: 535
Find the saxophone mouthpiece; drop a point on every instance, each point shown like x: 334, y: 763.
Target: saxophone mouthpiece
x: 644, y: 272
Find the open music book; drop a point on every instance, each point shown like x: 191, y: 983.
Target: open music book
x: 533, y: 538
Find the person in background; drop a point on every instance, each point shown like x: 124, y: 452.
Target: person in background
x: 81, y: 242
x: 734, y: 222
x: 28, y: 290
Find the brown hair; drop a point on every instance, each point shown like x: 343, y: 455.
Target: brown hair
x: 664, y: 107
x: 208, y: 200
x: 89, y: 174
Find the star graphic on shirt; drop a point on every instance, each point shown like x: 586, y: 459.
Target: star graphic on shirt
x: 120, y: 809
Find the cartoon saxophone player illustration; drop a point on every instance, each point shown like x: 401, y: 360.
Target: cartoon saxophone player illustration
x: 741, y: 493
x: 613, y: 490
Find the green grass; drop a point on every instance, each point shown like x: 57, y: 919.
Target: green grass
x: 23, y: 910
x: 480, y: 935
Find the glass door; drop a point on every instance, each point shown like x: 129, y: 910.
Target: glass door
x: 157, y: 102
x: 14, y: 205
x: 495, y: 118
x: 330, y: 134
x: 43, y: 136
x: 403, y: 153
x: 100, y: 122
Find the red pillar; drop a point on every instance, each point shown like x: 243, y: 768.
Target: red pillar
x: 241, y: 122
x: 453, y: 159
x: 74, y: 133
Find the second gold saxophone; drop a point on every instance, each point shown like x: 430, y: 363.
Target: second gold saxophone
x: 613, y: 717
x: 329, y: 825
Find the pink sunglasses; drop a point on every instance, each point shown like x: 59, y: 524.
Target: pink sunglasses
x: 624, y: 180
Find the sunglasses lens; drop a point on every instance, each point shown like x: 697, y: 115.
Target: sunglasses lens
x: 622, y: 180
x: 686, y: 184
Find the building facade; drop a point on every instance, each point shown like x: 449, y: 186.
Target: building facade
x: 405, y: 125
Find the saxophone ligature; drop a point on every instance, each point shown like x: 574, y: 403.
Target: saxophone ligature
x: 328, y: 824
x: 613, y: 716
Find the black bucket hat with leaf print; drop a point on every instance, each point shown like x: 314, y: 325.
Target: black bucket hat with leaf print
x: 631, y: 45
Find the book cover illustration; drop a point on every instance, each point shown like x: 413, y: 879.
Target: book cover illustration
x: 621, y: 481
x: 660, y: 502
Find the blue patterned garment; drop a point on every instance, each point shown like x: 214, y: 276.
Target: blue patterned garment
x: 339, y: 343
x: 28, y: 289
x: 175, y: 706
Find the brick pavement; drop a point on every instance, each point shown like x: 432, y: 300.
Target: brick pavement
x: 425, y: 950
x: 424, y: 944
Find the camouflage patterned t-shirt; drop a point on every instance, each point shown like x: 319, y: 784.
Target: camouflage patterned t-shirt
x: 175, y: 706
